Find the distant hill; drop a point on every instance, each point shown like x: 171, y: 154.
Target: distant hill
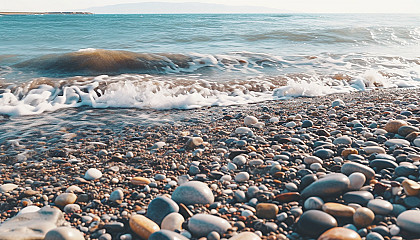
x: 187, y: 7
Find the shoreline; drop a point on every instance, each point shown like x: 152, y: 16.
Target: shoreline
x: 42, y: 165
x: 44, y: 13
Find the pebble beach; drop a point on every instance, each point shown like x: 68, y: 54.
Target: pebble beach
x: 341, y: 166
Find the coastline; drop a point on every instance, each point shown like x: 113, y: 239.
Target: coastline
x: 44, y: 13
x: 43, y: 165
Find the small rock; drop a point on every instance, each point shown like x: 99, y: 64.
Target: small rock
x: 411, y: 188
x: 92, y: 174
x: 250, y: 120
x: 172, y: 221
x: 379, y: 206
x: 166, y: 235
x: 140, y: 181
x: 64, y: 233
x: 351, y: 167
x: 267, y: 210
x: 143, y: 226
x: 116, y: 195
x: 242, y: 177
x: 193, y: 192
x: 331, y: 185
x: 7, y: 187
x: 203, y: 224
x: 160, y: 207
x: 363, y: 217
x: 392, y: 126
x: 65, y: 198
x: 340, y: 233
x: 357, y: 180
x: 338, y: 210
x: 315, y: 222
x: 409, y: 221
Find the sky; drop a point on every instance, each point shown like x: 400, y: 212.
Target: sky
x: 312, y: 6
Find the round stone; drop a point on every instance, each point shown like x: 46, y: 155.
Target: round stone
x: 380, y: 164
x: 392, y: 126
x: 71, y: 208
x: 140, y: 181
x: 324, y: 153
x: 338, y: 210
x: 116, y: 195
x: 64, y: 233
x: 344, y: 140
x: 379, y: 206
x: 7, y: 187
x: 374, y: 149
x: 416, y: 142
x: 239, y: 160
x: 166, y: 235
x: 330, y: 185
x: 409, y: 221
x: 340, y: 233
x: 338, y: 103
x: 397, y: 142
x: 374, y: 236
x: 405, y: 130
x: 313, y: 203
x: 359, y: 197
x: 193, y: 192
x: 143, y: 226
x: 315, y: 222
x: 245, y: 236
x: 312, y: 159
x: 363, y: 217
x: 193, y: 143
x: 172, y: 221
x: 65, y: 198
x: 243, y: 130
x: 242, y: 177
x: 357, y: 180
x: 158, y: 145
x: 74, y: 189
x: 351, y: 167
x: 250, y: 120
x: 411, y: 188
x: 92, y: 174
x: 29, y: 209
x: 160, y: 207
x: 267, y: 210
x: 202, y: 224
x: 347, y: 151
x: 307, y: 124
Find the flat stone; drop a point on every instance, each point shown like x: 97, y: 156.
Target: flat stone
x: 65, y: 198
x: 344, y: 140
x: 193, y: 192
x: 287, y: 197
x: 411, y: 188
x: 392, y: 126
x: 7, y: 187
x: 338, y: 210
x: 324, y: 153
x: 172, y: 221
x: 379, y: 206
x: 312, y: 159
x: 405, y: 170
x: 359, y: 197
x: 64, y: 233
x: 140, y: 181
x: 409, y: 221
x: 166, y: 235
x: 374, y: 149
x: 31, y: 225
x: 331, y: 185
x: 357, y: 180
x: 315, y: 222
x: 363, y: 217
x: 160, y: 207
x: 380, y: 164
x: 397, y: 142
x: 267, y: 210
x: 340, y: 233
x: 351, y: 167
x: 143, y: 226
x: 92, y: 174
x: 202, y: 224
x: 405, y: 130
x: 245, y: 236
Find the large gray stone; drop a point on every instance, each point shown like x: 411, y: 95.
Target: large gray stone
x: 193, y: 192
x: 32, y: 225
x: 160, y: 207
x: 315, y: 222
x: 331, y: 185
x: 410, y: 221
x: 202, y: 224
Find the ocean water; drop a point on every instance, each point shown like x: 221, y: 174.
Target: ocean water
x: 52, y: 62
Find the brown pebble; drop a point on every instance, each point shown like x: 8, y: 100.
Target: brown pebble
x: 363, y: 217
x: 340, y: 233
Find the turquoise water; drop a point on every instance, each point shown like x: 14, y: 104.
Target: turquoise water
x: 48, y: 62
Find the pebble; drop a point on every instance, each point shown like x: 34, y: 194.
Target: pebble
x: 315, y: 222
x: 143, y: 226
x: 65, y: 198
x: 64, y: 233
x: 340, y: 233
x: 314, y: 203
x: 411, y: 188
x: 267, y: 210
x: 239, y: 160
x: 72, y: 208
x: 410, y: 221
x: 374, y: 236
x: 379, y: 206
x: 7, y: 187
x: 166, y: 235
x: 116, y: 195
x: 357, y: 180
x: 29, y: 209
x: 312, y: 159
x: 140, y: 181
x: 359, y: 197
x: 397, y: 142
x: 351, y: 167
x: 160, y: 207
x: 242, y: 177
x: 392, y: 126
x: 374, y: 149
x: 363, y: 217
x: 193, y: 142
x: 172, y: 221
x: 245, y: 236
x: 202, y: 224
x: 193, y: 192
x: 92, y: 174
x: 324, y: 153
x: 338, y: 210
x: 331, y: 185
x: 344, y: 140
x: 250, y: 120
